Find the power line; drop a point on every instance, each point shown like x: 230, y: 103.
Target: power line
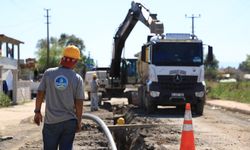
x: 47, y: 16
x: 192, y: 17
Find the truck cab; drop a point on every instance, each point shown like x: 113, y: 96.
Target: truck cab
x: 172, y: 72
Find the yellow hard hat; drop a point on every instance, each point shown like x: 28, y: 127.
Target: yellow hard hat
x: 94, y: 75
x: 120, y: 121
x: 71, y: 51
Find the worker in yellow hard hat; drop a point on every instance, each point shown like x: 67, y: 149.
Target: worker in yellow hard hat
x: 94, y: 93
x: 63, y: 89
x: 94, y: 75
x: 71, y: 55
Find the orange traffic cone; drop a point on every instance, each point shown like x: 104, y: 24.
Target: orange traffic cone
x: 187, y: 137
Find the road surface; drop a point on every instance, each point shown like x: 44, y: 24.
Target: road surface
x: 217, y: 129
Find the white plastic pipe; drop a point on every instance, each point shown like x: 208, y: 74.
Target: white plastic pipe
x: 103, y: 126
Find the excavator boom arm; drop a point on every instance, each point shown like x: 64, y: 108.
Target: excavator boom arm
x: 136, y: 13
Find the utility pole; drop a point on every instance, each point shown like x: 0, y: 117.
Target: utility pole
x: 192, y: 17
x: 47, y: 16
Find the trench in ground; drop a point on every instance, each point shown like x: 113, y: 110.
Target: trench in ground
x: 138, y: 137
x: 144, y: 131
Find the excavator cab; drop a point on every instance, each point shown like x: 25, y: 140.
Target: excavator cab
x: 128, y: 71
x: 131, y: 71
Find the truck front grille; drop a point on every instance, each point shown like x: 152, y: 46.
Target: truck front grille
x: 177, y: 82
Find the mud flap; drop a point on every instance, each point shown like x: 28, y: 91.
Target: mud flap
x: 199, y: 107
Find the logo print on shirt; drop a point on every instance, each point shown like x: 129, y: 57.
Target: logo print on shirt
x: 61, y: 82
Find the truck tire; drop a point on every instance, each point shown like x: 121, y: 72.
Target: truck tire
x: 141, y: 92
x: 150, y: 107
x: 89, y: 96
x: 129, y: 97
x: 99, y: 99
x: 199, y: 107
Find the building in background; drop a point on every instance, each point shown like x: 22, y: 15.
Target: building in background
x: 11, y: 80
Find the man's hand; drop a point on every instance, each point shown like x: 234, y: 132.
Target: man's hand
x: 38, y: 118
x: 79, y: 107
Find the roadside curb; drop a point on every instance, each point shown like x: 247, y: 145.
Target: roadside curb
x: 234, y: 108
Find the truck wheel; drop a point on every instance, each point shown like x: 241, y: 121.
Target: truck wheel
x: 129, y: 97
x: 141, y: 97
x: 199, y: 107
x: 89, y: 96
x: 149, y: 105
x: 99, y: 99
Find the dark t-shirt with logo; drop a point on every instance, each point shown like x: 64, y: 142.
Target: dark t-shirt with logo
x: 62, y: 86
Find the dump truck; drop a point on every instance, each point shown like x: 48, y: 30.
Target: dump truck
x: 171, y: 72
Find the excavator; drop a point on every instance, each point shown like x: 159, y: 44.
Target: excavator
x: 136, y: 13
x: 119, y: 67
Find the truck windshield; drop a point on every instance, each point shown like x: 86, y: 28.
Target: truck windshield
x: 177, y: 54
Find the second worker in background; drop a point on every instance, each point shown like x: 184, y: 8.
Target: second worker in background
x: 94, y: 93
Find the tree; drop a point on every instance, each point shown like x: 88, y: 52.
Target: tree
x: 71, y: 39
x: 245, y: 65
x: 56, y: 47
x: 55, y: 52
x: 211, y: 68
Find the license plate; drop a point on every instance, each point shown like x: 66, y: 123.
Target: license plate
x: 177, y: 94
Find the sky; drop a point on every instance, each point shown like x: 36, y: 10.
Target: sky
x: 223, y: 24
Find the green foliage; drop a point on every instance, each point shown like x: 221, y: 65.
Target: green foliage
x: 4, y: 100
x: 211, y: 68
x: 214, y: 64
x: 54, y: 53
x: 56, y: 48
x: 245, y: 65
x: 66, y: 39
x: 211, y: 74
x: 230, y: 91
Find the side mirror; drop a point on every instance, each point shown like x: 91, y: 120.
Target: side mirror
x: 143, y: 53
x: 210, y: 55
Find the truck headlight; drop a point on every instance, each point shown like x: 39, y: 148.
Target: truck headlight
x: 199, y: 94
x: 154, y: 93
